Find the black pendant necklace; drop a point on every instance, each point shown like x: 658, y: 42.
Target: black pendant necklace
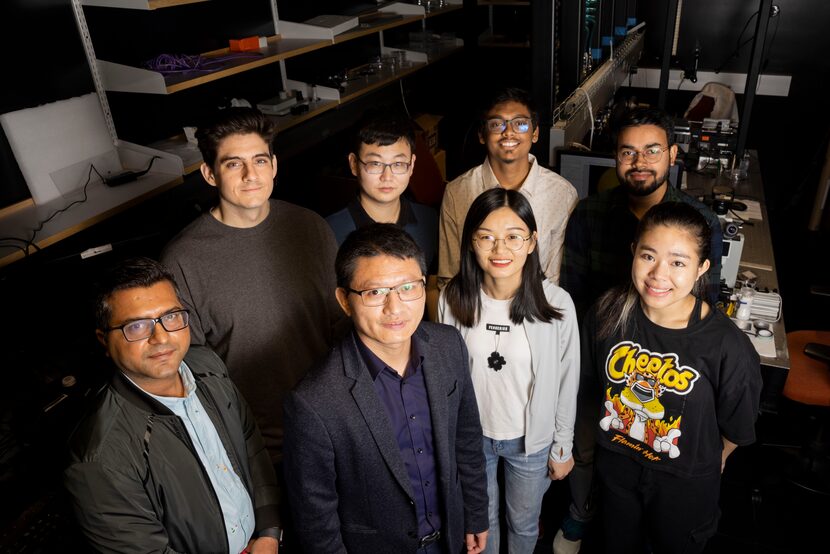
x: 496, y: 361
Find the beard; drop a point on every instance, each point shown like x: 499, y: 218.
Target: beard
x: 642, y: 188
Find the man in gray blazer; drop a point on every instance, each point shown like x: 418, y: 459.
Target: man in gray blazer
x: 383, y: 439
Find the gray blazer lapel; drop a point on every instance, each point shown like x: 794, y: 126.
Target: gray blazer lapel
x: 438, y: 386
x: 374, y: 414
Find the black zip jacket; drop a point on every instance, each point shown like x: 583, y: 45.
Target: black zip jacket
x: 136, y: 482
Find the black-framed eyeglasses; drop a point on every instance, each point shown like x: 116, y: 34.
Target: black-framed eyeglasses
x: 407, y: 292
x: 512, y: 242
x: 519, y: 125
x: 651, y: 155
x: 376, y: 168
x: 140, y: 329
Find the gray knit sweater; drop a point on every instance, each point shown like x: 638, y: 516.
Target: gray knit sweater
x: 263, y: 299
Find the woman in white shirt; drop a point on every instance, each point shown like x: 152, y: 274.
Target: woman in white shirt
x: 521, y: 333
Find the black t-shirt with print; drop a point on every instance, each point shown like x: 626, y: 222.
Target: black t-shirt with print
x: 666, y: 396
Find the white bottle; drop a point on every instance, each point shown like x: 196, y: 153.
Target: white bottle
x: 745, y: 302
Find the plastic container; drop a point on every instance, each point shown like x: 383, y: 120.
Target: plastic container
x: 745, y: 302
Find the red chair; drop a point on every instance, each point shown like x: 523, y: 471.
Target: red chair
x: 808, y: 383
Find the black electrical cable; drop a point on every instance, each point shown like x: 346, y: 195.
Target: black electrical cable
x: 739, y: 44
x: 768, y: 46
x: 60, y: 211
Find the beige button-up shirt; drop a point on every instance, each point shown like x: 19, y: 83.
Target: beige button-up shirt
x: 551, y: 196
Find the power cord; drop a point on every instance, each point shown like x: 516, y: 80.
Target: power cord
x: 403, y: 98
x: 126, y: 176
x: 60, y: 211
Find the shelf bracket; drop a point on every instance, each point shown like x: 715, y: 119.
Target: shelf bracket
x: 92, y: 61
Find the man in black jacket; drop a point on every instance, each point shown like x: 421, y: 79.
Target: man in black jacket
x: 171, y: 459
x: 383, y: 451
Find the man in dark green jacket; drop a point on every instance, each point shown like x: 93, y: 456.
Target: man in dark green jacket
x: 171, y: 459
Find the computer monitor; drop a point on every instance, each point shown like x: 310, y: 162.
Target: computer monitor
x: 592, y: 172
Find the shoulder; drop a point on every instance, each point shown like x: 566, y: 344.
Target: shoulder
x: 460, y: 183
x: 181, y: 245
x: 341, y: 224
x: 287, y: 214
x: 592, y: 209
x: 718, y: 324
x: 705, y: 210
x: 423, y: 213
x: 557, y: 182
x: 326, y: 384
x: 422, y: 210
x: 203, y: 361
x: 307, y: 227
x: 106, y: 430
x: 556, y: 295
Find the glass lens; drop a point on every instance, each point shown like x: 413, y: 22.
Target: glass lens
x: 652, y: 154
x: 399, y: 168
x: 485, y: 242
x: 411, y: 291
x: 374, y: 168
x: 174, y: 321
x: 626, y: 156
x: 375, y: 297
x: 139, y: 329
x: 496, y: 125
x: 520, y: 124
x: 514, y: 242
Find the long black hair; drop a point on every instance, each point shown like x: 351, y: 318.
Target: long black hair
x: 463, y: 293
x: 616, y: 306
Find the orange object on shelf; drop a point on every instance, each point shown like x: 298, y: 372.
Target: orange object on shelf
x: 244, y: 44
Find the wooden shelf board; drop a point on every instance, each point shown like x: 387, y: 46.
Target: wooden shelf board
x: 159, y: 4
x: 441, y: 11
x: 375, y: 28
x: 503, y: 3
x: 315, y: 108
x: 277, y: 49
x: 178, y: 146
x: 369, y: 83
x: 102, y: 203
x: 140, y: 4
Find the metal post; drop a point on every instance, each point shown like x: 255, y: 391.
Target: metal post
x: 92, y: 61
x: 543, y: 86
x: 668, y: 40
x: 755, y: 60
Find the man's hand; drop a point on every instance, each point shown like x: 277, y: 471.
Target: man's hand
x: 559, y: 470
x: 476, y: 542
x: 264, y: 545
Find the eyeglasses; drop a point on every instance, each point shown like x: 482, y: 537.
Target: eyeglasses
x: 519, y: 125
x: 488, y: 242
x: 407, y: 292
x: 140, y: 329
x: 651, y: 155
x: 376, y: 168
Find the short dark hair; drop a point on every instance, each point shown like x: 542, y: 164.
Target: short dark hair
x: 377, y: 239
x: 644, y: 116
x: 463, y: 292
x: 128, y: 274
x: 234, y: 121
x: 510, y: 94
x: 384, y: 127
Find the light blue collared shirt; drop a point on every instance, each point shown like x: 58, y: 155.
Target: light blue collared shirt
x: 237, y: 509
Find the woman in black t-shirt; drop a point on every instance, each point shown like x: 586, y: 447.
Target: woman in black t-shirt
x: 677, y: 387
